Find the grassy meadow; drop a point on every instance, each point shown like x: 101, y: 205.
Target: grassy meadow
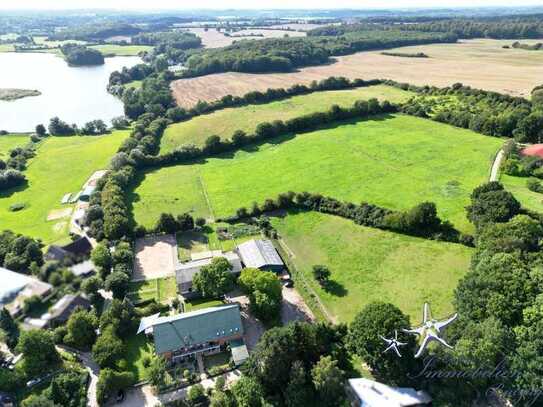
x: 517, y: 186
x: 9, y: 142
x: 225, y: 122
x: 62, y: 165
x: 373, y: 265
x: 121, y: 50
x: 395, y: 161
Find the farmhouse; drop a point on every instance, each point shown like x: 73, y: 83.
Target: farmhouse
x: 16, y: 287
x: 260, y: 254
x: 185, y: 272
x: 365, y: 392
x: 63, y: 308
x: 78, y: 249
x: 201, y: 332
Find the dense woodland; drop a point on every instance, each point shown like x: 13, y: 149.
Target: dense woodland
x: 80, y: 55
x: 497, y: 28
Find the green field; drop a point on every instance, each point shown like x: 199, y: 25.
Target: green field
x: 62, y: 165
x: 517, y: 186
x: 226, y: 121
x: 9, y: 142
x: 121, y: 50
x: 395, y: 161
x: 373, y: 265
x: 162, y: 290
x: 206, y: 239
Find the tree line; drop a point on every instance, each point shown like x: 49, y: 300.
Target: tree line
x: 421, y: 220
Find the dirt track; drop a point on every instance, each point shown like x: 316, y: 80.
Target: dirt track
x: 479, y: 63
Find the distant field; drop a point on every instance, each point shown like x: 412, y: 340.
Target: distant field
x: 9, y: 142
x: 226, y: 121
x: 396, y: 161
x: 121, y: 50
x: 214, y: 39
x: 61, y: 165
x: 517, y: 186
x: 373, y: 265
x: 480, y: 63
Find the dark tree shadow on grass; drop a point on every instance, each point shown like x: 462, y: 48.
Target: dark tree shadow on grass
x: 335, y: 288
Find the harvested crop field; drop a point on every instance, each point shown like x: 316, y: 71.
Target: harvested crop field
x: 479, y: 63
x: 214, y: 39
x: 225, y: 122
x: 395, y: 161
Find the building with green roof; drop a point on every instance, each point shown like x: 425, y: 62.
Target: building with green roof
x: 203, y: 331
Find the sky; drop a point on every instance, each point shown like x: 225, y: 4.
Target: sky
x: 251, y: 4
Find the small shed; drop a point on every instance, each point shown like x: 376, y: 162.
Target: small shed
x: 260, y: 254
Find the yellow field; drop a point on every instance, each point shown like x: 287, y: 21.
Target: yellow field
x: 479, y: 63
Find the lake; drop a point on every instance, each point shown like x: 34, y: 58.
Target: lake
x: 75, y: 94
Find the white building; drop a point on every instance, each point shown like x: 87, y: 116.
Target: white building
x: 369, y: 393
x: 185, y: 272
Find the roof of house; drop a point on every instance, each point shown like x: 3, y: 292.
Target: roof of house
x: 239, y: 351
x: 83, y: 268
x: 534, y: 150
x: 379, y: 394
x: 185, y: 272
x: 79, y: 247
x: 56, y: 253
x: 258, y: 253
x: 12, y: 283
x: 192, y: 328
x: 15, y: 284
x: 64, y: 307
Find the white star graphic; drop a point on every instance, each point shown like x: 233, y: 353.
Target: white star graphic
x: 430, y: 330
x: 393, y: 344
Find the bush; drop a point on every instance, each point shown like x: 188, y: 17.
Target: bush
x: 534, y: 185
x: 17, y: 207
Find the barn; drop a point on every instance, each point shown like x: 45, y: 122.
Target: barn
x: 260, y: 254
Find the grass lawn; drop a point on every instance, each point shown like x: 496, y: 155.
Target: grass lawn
x: 137, y: 347
x: 195, y: 241
x: 373, y: 265
x: 517, y: 186
x: 9, y: 142
x: 121, y: 50
x: 61, y: 165
x: 226, y: 121
x: 201, y: 303
x: 161, y: 289
x: 133, y: 84
x: 221, y: 359
x: 395, y: 161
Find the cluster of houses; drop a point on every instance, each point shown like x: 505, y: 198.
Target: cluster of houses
x: 209, y: 330
x: 17, y: 287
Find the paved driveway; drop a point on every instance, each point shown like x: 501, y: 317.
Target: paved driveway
x: 293, y: 307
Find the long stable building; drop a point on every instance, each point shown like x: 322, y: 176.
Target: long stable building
x: 205, y: 332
